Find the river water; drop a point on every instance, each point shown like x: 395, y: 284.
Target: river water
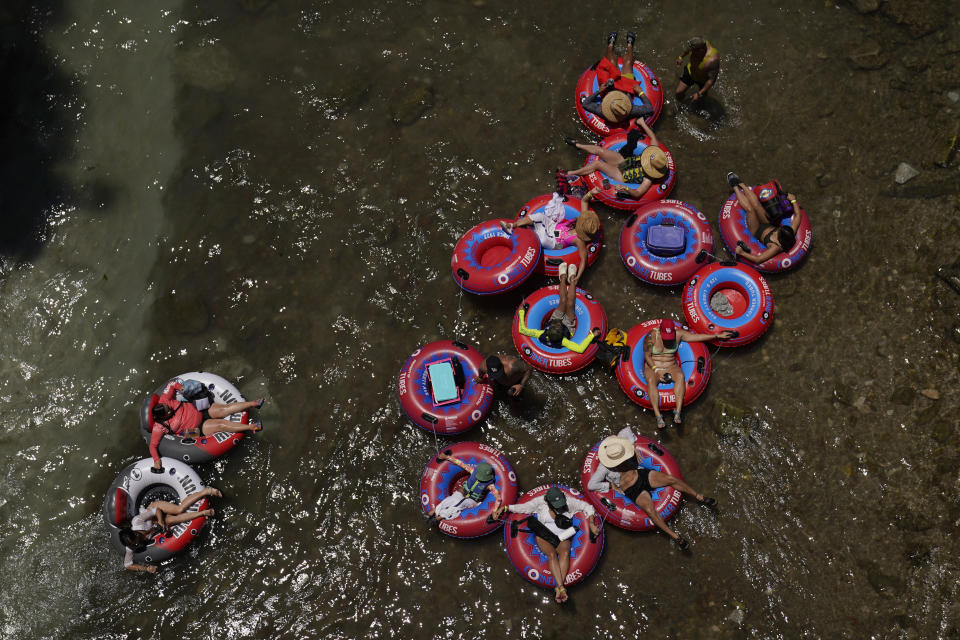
x: 271, y: 191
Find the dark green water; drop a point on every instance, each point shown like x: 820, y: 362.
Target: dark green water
x: 271, y: 191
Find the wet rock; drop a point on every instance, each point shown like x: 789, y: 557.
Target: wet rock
x: 253, y: 6
x: 866, y: 6
x: 918, y: 553
x: 843, y: 393
x: 208, y: 67
x: 884, y: 584
x: 951, y: 275
x: 933, y: 394
x: 868, y: 55
x: 945, y: 146
x: 953, y: 96
x: 410, y: 103
x: 903, y: 395
x: 920, y: 16
x: 955, y: 333
x: 736, y: 616
x: 728, y: 420
x: 905, y: 173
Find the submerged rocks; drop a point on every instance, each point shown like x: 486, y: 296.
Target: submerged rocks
x: 409, y: 103
x: 729, y: 420
x: 868, y: 56
x: 905, y: 173
x: 208, y: 67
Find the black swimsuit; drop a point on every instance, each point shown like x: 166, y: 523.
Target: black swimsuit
x: 642, y: 484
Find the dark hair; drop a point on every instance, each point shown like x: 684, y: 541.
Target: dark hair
x: 132, y: 539
x: 697, y: 43
x: 554, y: 332
x: 161, y: 412
x: 787, y: 237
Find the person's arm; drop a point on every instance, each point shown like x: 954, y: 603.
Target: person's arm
x: 686, y: 336
x: 460, y: 463
x: 156, y: 435
x: 498, y: 499
x: 170, y: 392
x: 682, y: 55
x: 524, y: 330
x: 527, y: 507
x: 576, y: 505
x: 598, y: 481
x: 647, y: 130
x: 130, y: 565
x: 644, y: 109
x: 517, y: 388
x: 648, y: 351
x: 582, y: 256
x: 797, y: 217
x: 638, y: 192
x: 756, y: 258
x: 583, y: 344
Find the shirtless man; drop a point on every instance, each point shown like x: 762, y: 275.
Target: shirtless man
x: 702, y: 70
x: 660, y: 360
x: 509, y: 371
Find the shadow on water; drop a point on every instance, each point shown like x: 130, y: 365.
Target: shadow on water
x: 34, y: 132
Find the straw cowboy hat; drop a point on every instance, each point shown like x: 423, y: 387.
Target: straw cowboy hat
x: 654, y: 162
x: 614, y: 451
x: 616, y: 106
x: 587, y: 225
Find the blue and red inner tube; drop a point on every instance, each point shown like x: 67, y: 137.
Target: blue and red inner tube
x: 488, y: 260
x: 644, y: 262
x: 734, y: 229
x: 693, y: 358
x: 588, y: 84
x: 531, y: 563
x: 721, y: 296
x: 657, y: 191
x: 413, y: 388
x: 540, y: 304
x: 441, y: 479
x: 567, y: 254
x: 625, y: 512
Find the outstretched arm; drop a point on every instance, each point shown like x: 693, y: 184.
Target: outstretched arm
x: 582, y: 345
x: 647, y: 130
x: 455, y: 460
x: 686, y: 336
x: 756, y: 258
x: 638, y: 192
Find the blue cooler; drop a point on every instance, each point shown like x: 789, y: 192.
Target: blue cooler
x: 666, y: 240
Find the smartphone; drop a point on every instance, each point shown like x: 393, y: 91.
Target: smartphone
x: 606, y: 183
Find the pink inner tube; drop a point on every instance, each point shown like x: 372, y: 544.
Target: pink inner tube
x: 567, y: 254
x: 539, y: 305
x: 627, y: 515
x: 694, y: 361
x: 413, y: 388
x: 657, y: 191
x: 733, y: 229
x: 742, y: 297
x: 528, y: 559
x: 441, y: 479
x: 587, y: 85
x: 488, y: 260
x: 642, y: 262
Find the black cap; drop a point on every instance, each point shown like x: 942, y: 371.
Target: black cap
x: 495, y: 368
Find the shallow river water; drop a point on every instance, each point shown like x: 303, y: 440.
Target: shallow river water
x: 271, y: 191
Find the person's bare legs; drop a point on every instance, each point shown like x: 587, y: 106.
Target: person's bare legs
x: 212, y: 426
x: 653, y: 391
x: 628, y: 59
x: 645, y: 502
x: 607, y: 155
x: 751, y: 205
x: 223, y: 410
x: 568, y: 297
x: 659, y: 479
x: 611, y: 170
x: 551, y: 552
x: 176, y: 513
x: 678, y: 389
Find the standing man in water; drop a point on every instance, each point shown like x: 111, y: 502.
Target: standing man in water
x: 508, y: 371
x: 702, y: 70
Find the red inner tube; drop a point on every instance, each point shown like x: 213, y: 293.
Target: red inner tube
x: 528, y: 559
x: 441, y: 479
x: 657, y: 191
x: 413, y: 388
x: 587, y: 84
x: 488, y: 260
x: 627, y: 514
x: 742, y: 299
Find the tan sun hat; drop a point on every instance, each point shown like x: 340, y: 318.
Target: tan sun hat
x: 614, y: 451
x: 587, y: 225
x: 654, y: 162
x: 616, y: 106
